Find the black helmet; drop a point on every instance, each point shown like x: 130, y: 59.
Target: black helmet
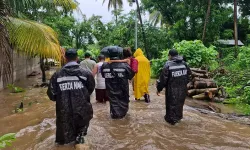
x: 113, y: 52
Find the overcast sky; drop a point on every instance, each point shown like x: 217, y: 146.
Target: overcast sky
x: 90, y: 7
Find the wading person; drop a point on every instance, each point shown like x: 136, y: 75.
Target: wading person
x: 116, y: 78
x: 100, y: 90
x: 88, y: 63
x: 70, y: 88
x: 142, y: 77
x: 174, y: 78
x: 127, y: 57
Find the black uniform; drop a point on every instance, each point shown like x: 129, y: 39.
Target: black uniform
x: 116, y: 78
x: 174, y: 78
x: 71, y: 88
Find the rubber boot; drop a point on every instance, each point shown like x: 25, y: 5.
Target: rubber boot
x: 147, y: 98
x: 80, y: 139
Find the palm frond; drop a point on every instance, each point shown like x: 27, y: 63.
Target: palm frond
x: 66, y: 4
x: 114, y: 3
x: 156, y: 18
x: 33, y: 38
x: 5, y: 56
x: 17, y: 5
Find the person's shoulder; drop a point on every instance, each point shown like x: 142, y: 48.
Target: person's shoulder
x: 92, y: 61
x: 57, y: 73
x: 105, y: 64
x: 168, y: 63
x: 81, y: 62
x: 185, y: 63
x: 84, y: 71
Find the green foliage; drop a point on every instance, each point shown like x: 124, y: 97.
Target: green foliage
x: 93, y: 49
x: 196, y: 54
x: 80, y: 54
x: 7, y: 139
x: 158, y: 64
x: 15, y: 89
x: 246, y: 95
x: 185, y: 19
x: 63, y: 25
x: 243, y: 60
x: 237, y: 78
x: 228, y: 34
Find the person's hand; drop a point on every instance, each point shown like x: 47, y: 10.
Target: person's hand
x: 158, y: 93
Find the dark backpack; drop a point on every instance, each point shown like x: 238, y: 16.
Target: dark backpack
x: 134, y: 64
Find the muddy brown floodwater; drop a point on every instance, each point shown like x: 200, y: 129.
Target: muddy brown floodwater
x: 143, y: 129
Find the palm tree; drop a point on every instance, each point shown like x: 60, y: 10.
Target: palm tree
x: 142, y: 27
x: 235, y: 29
x: 206, y: 20
x: 29, y: 37
x: 119, y: 3
x: 116, y: 4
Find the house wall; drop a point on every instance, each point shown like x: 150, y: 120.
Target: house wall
x: 23, y: 66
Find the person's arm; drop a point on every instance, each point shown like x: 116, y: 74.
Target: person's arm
x: 189, y: 72
x: 52, y: 88
x: 95, y: 70
x: 90, y: 83
x: 162, y: 81
x: 120, y: 61
x: 102, y: 67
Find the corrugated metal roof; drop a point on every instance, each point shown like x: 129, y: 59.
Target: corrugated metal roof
x: 230, y: 42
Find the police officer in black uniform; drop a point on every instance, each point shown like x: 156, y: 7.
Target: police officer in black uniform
x: 116, y: 79
x: 71, y: 88
x: 174, y: 78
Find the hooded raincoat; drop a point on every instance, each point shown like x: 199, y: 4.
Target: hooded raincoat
x: 174, y: 78
x: 142, y: 77
x: 116, y: 79
x: 70, y: 88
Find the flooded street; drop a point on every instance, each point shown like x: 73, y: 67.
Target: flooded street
x: 143, y: 129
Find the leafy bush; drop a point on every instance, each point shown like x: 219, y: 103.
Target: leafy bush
x: 246, y: 95
x: 236, y: 80
x: 94, y: 50
x: 157, y: 64
x: 6, y: 140
x: 243, y: 60
x: 196, y: 54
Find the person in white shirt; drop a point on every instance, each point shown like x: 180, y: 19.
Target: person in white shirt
x: 100, y: 90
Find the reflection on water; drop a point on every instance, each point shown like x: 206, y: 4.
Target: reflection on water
x: 144, y: 127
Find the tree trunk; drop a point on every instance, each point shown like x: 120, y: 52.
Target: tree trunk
x: 198, y: 70
x: 206, y: 20
x: 202, y: 79
x: 235, y: 29
x: 200, y: 75
x: 203, y: 84
x: 42, y: 67
x: 201, y: 97
x: 199, y: 91
x: 142, y: 28
x: 116, y: 16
